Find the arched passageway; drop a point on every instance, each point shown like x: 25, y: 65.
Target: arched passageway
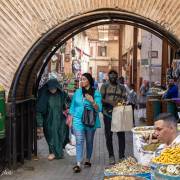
x: 32, y: 62
x: 21, y: 76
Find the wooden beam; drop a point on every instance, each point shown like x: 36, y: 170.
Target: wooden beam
x: 120, y: 49
x: 172, y: 54
x: 135, y: 63
x: 164, y: 61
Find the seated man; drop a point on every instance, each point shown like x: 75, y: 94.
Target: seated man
x: 166, y: 130
x: 172, y: 91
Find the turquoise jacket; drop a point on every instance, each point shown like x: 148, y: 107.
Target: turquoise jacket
x: 77, y: 109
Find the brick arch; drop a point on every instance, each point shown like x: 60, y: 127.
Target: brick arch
x: 30, y: 28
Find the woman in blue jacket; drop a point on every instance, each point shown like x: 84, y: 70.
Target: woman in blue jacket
x: 90, y: 98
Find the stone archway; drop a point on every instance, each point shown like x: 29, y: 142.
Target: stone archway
x: 61, y: 33
x: 28, y: 28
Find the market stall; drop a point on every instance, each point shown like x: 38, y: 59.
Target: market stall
x: 145, y: 143
x: 155, y: 106
x: 147, y: 163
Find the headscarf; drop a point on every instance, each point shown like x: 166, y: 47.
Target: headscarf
x: 53, y: 83
x: 91, y: 90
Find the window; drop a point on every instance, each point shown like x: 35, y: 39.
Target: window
x: 102, y: 51
x: 144, y: 62
x: 91, y: 51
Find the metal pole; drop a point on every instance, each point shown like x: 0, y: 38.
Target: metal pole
x: 14, y: 135
x: 150, y: 61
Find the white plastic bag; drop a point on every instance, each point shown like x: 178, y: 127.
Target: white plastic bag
x: 122, y: 118
x: 73, y: 139
x: 70, y: 150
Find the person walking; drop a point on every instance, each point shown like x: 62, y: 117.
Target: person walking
x: 85, y: 97
x: 112, y: 93
x: 51, y: 103
x: 144, y: 89
x: 132, y: 99
x: 121, y: 81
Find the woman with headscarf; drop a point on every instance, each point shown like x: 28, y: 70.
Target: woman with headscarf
x: 88, y: 97
x: 51, y: 103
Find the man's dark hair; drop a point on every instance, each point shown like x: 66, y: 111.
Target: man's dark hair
x: 112, y: 71
x: 167, y: 117
x: 132, y: 86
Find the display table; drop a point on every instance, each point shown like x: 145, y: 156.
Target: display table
x: 155, y: 106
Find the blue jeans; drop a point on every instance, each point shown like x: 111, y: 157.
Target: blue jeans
x: 82, y: 135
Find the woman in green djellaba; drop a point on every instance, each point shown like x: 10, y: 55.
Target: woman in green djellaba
x: 51, y: 103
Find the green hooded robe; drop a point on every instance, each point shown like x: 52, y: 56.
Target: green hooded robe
x: 49, y: 115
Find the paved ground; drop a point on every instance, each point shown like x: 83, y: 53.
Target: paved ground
x: 42, y: 169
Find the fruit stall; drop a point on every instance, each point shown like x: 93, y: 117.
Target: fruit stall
x: 148, y: 162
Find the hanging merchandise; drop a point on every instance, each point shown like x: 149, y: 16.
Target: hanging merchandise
x: 63, y: 48
x: 76, y: 67
x: 73, y: 52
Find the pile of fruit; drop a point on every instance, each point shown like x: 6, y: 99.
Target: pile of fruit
x: 150, y: 141
x: 171, y: 170
x: 151, y: 147
x: 123, y: 178
x: 169, y: 155
x: 149, y: 137
x: 128, y: 166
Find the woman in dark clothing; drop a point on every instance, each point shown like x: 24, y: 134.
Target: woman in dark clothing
x: 51, y: 103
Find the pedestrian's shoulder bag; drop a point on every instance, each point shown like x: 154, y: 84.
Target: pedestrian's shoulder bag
x: 89, y: 117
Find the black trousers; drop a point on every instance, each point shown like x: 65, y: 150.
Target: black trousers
x: 109, y: 139
x: 133, y: 107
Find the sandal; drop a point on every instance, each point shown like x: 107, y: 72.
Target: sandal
x: 51, y: 157
x: 87, y: 164
x: 76, y: 169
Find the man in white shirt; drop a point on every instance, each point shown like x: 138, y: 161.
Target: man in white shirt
x: 166, y: 130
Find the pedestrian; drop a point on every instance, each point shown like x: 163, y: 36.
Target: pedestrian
x: 85, y: 97
x: 104, y: 81
x: 176, y: 74
x: 144, y: 89
x: 51, y: 103
x: 172, y: 91
x: 95, y: 84
x: 112, y: 93
x: 132, y: 99
x: 122, y: 82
